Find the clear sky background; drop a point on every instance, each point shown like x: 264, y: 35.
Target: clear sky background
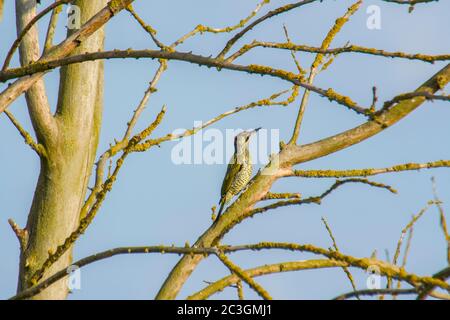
x: 157, y: 202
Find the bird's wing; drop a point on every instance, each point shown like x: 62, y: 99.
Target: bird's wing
x: 232, y: 170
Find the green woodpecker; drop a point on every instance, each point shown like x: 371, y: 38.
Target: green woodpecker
x: 239, y: 169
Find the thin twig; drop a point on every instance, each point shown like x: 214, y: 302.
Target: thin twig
x: 426, y: 289
x: 48, y: 44
x: 267, y: 102
x: 37, y: 147
x: 313, y: 199
x: 205, y: 29
x: 278, y: 196
x: 443, y: 221
x: 367, y: 172
x: 346, y: 270
x: 350, y: 48
x: 267, y: 16
x: 28, y: 27
x: 405, y: 255
x: 244, y: 277
x: 21, y: 234
x: 374, y: 292
x: 339, y: 23
x: 414, y: 219
x: 146, y: 27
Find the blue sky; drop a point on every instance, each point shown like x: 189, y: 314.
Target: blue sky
x: 158, y: 202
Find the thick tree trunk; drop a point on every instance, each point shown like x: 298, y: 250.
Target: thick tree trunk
x: 71, y: 149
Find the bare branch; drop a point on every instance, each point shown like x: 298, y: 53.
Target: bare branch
x: 27, y: 28
x: 21, y: 234
x: 411, y: 95
x: 314, y: 199
x: 267, y: 102
x: 36, y: 95
x: 375, y: 292
x: 407, y: 228
x: 244, y: 277
x: 202, y: 29
x: 402, y: 236
x: 367, y: 172
x: 170, y: 55
x: 300, y: 70
x: 410, y: 2
x: 62, y: 50
x: 443, y: 220
x: 89, y: 213
x: 146, y: 27
x: 37, y: 147
x: 339, y: 23
x: 426, y: 289
x: 51, y: 29
x: 336, y: 260
x: 339, y: 50
x: 278, y: 196
x: 405, y: 255
x: 267, y: 16
x: 335, y: 246
x: 267, y: 269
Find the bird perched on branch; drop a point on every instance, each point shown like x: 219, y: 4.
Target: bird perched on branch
x: 239, y: 169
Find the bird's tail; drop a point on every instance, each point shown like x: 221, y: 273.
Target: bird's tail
x: 222, y: 205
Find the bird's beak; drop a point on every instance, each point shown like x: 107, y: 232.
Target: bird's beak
x: 256, y: 130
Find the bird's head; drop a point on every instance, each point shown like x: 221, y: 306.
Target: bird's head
x: 243, y: 138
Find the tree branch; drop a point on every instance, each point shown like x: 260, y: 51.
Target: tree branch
x: 88, y: 213
x: 63, y: 49
x: 244, y: 277
x: 315, y: 199
x: 335, y: 246
x: 336, y: 260
x: 267, y: 16
x: 202, y: 29
x: 403, y: 233
x: 367, y: 172
x: 51, y: 29
x: 425, y: 291
x: 443, y: 220
x: 37, y: 147
x: 21, y: 234
x: 314, y: 70
x: 36, y: 95
x: 179, y: 56
x: 264, y: 270
x: 374, y: 292
x: 28, y: 27
x: 410, y: 2
x: 337, y: 51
